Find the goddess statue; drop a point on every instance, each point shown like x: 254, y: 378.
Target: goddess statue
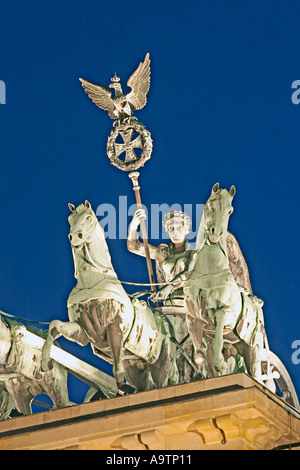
x: 171, y: 259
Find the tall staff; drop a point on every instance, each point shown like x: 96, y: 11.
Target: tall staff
x: 129, y: 154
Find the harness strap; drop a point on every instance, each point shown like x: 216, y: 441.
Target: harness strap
x: 24, y: 319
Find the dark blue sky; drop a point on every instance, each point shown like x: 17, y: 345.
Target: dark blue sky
x: 219, y: 109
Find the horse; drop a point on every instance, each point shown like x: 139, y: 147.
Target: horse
x: 20, y: 372
x: 126, y: 332
x: 217, y: 308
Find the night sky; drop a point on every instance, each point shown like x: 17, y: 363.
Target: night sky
x: 219, y: 108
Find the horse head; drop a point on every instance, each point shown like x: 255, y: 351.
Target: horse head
x: 83, y: 222
x: 217, y: 211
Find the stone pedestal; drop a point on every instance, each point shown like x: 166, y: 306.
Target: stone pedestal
x: 223, y: 413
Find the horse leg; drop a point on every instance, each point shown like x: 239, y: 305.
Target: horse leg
x: 159, y: 370
x: 245, y: 351
x: 195, y: 328
x: 251, y: 356
x: 138, y: 374
x: 7, y: 403
x: 219, y: 361
x: 194, y: 323
x: 69, y: 330
x: 23, y: 392
x: 210, y: 360
x: 115, y: 340
x: 55, y: 385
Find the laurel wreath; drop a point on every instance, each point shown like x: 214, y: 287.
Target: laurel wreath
x: 147, y: 145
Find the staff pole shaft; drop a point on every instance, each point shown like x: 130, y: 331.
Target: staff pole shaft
x: 134, y: 178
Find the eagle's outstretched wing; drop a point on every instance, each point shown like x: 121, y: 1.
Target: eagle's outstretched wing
x: 100, y: 95
x: 139, y: 82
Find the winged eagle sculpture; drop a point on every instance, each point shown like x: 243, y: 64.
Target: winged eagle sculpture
x: 121, y: 106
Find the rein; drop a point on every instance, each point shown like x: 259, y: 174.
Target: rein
x: 23, y: 319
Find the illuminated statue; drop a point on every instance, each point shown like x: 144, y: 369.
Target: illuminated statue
x: 170, y: 258
x: 214, y: 302
x: 121, y: 106
x: 210, y: 284
x: 124, y: 152
x: 125, y: 332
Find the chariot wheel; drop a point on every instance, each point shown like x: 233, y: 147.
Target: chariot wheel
x: 129, y: 145
x: 284, y: 385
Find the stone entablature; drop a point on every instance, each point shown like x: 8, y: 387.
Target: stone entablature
x: 223, y: 413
